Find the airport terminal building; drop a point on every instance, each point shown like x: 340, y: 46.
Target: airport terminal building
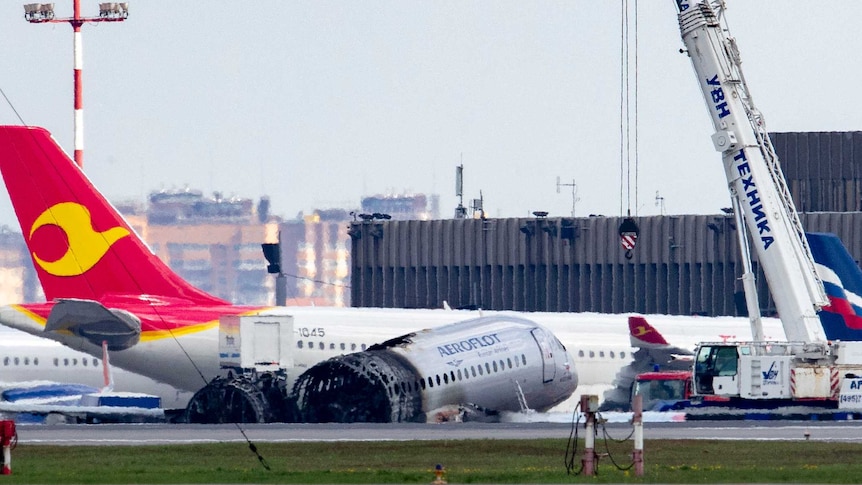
x: 686, y: 264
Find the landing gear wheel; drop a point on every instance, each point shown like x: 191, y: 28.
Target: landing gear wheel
x: 236, y: 400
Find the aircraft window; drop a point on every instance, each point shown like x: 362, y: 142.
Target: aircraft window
x: 592, y: 354
x: 473, y: 371
x: 502, y: 365
x: 580, y: 353
x: 26, y: 360
x: 95, y: 362
x: 459, y: 374
x: 299, y: 344
x: 16, y: 361
x: 488, y: 367
x: 430, y: 381
x: 422, y: 384
x: 509, y: 361
x: 343, y: 347
x: 601, y: 353
x: 445, y: 378
x: 35, y: 360
x: 612, y: 354
x: 66, y: 362
x: 332, y: 346
x: 452, y: 375
x: 84, y: 361
x: 622, y: 355
x: 56, y: 362
x: 322, y: 346
x: 6, y: 361
x: 438, y: 379
x: 352, y: 347
x: 481, y: 372
x: 75, y: 362
x: 524, y: 359
x: 495, y: 366
x: 363, y: 346
x: 311, y: 345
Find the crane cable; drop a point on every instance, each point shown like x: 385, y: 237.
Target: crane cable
x: 629, y: 230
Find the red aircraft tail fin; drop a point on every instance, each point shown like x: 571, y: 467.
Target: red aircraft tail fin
x: 643, y: 334
x: 80, y: 245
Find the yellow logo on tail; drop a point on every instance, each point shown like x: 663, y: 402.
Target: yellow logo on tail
x: 86, y: 246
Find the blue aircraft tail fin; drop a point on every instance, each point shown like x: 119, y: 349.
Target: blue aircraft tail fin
x: 842, y: 318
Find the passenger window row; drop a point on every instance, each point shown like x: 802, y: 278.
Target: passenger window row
x: 7, y: 361
x: 322, y: 346
x: 473, y: 372
x: 592, y: 353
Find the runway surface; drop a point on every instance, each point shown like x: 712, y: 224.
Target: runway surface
x: 161, y: 434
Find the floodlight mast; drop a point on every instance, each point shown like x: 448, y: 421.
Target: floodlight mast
x: 40, y: 13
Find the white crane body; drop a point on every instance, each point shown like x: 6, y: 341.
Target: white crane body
x: 807, y: 366
x: 754, y: 177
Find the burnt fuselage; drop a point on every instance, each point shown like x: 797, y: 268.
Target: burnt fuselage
x: 499, y: 363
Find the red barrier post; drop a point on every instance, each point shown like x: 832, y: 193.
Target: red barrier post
x: 8, y: 439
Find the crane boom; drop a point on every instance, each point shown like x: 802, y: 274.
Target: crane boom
x: 754, y: 176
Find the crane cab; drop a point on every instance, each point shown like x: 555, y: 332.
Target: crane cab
x: 716, y: 370
x: 759, y: 370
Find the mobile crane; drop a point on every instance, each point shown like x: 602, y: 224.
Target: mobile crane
x: 807, y: 366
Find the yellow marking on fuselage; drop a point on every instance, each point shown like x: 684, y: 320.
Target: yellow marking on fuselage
x: 152, y: 335
x: 33, y: 316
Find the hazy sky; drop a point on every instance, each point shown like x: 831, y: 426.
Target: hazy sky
x: 316, y: 103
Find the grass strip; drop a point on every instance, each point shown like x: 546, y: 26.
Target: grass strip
x: 465, y: 461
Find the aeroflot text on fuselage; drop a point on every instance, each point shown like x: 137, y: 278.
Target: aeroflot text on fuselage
x: 468, y: 345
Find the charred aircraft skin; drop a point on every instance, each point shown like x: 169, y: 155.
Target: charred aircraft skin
x: 496, y: 363
x: 486, y: 363
x: 374, y: 386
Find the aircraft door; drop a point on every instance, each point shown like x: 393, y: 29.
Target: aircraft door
x: 549, y: 368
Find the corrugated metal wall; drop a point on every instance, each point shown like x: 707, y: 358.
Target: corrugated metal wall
x: 823, y: 169
x: 681, y: 265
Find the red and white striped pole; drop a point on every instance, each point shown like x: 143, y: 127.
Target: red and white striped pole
x: 78, y: 53
x: 589, y: 459
x: 8, y: 440
x: 38, y: 13
x: 638, y: 423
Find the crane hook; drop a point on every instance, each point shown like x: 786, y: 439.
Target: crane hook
x: 629, y: 235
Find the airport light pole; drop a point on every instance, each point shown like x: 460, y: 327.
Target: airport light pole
x: 41, y: 13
